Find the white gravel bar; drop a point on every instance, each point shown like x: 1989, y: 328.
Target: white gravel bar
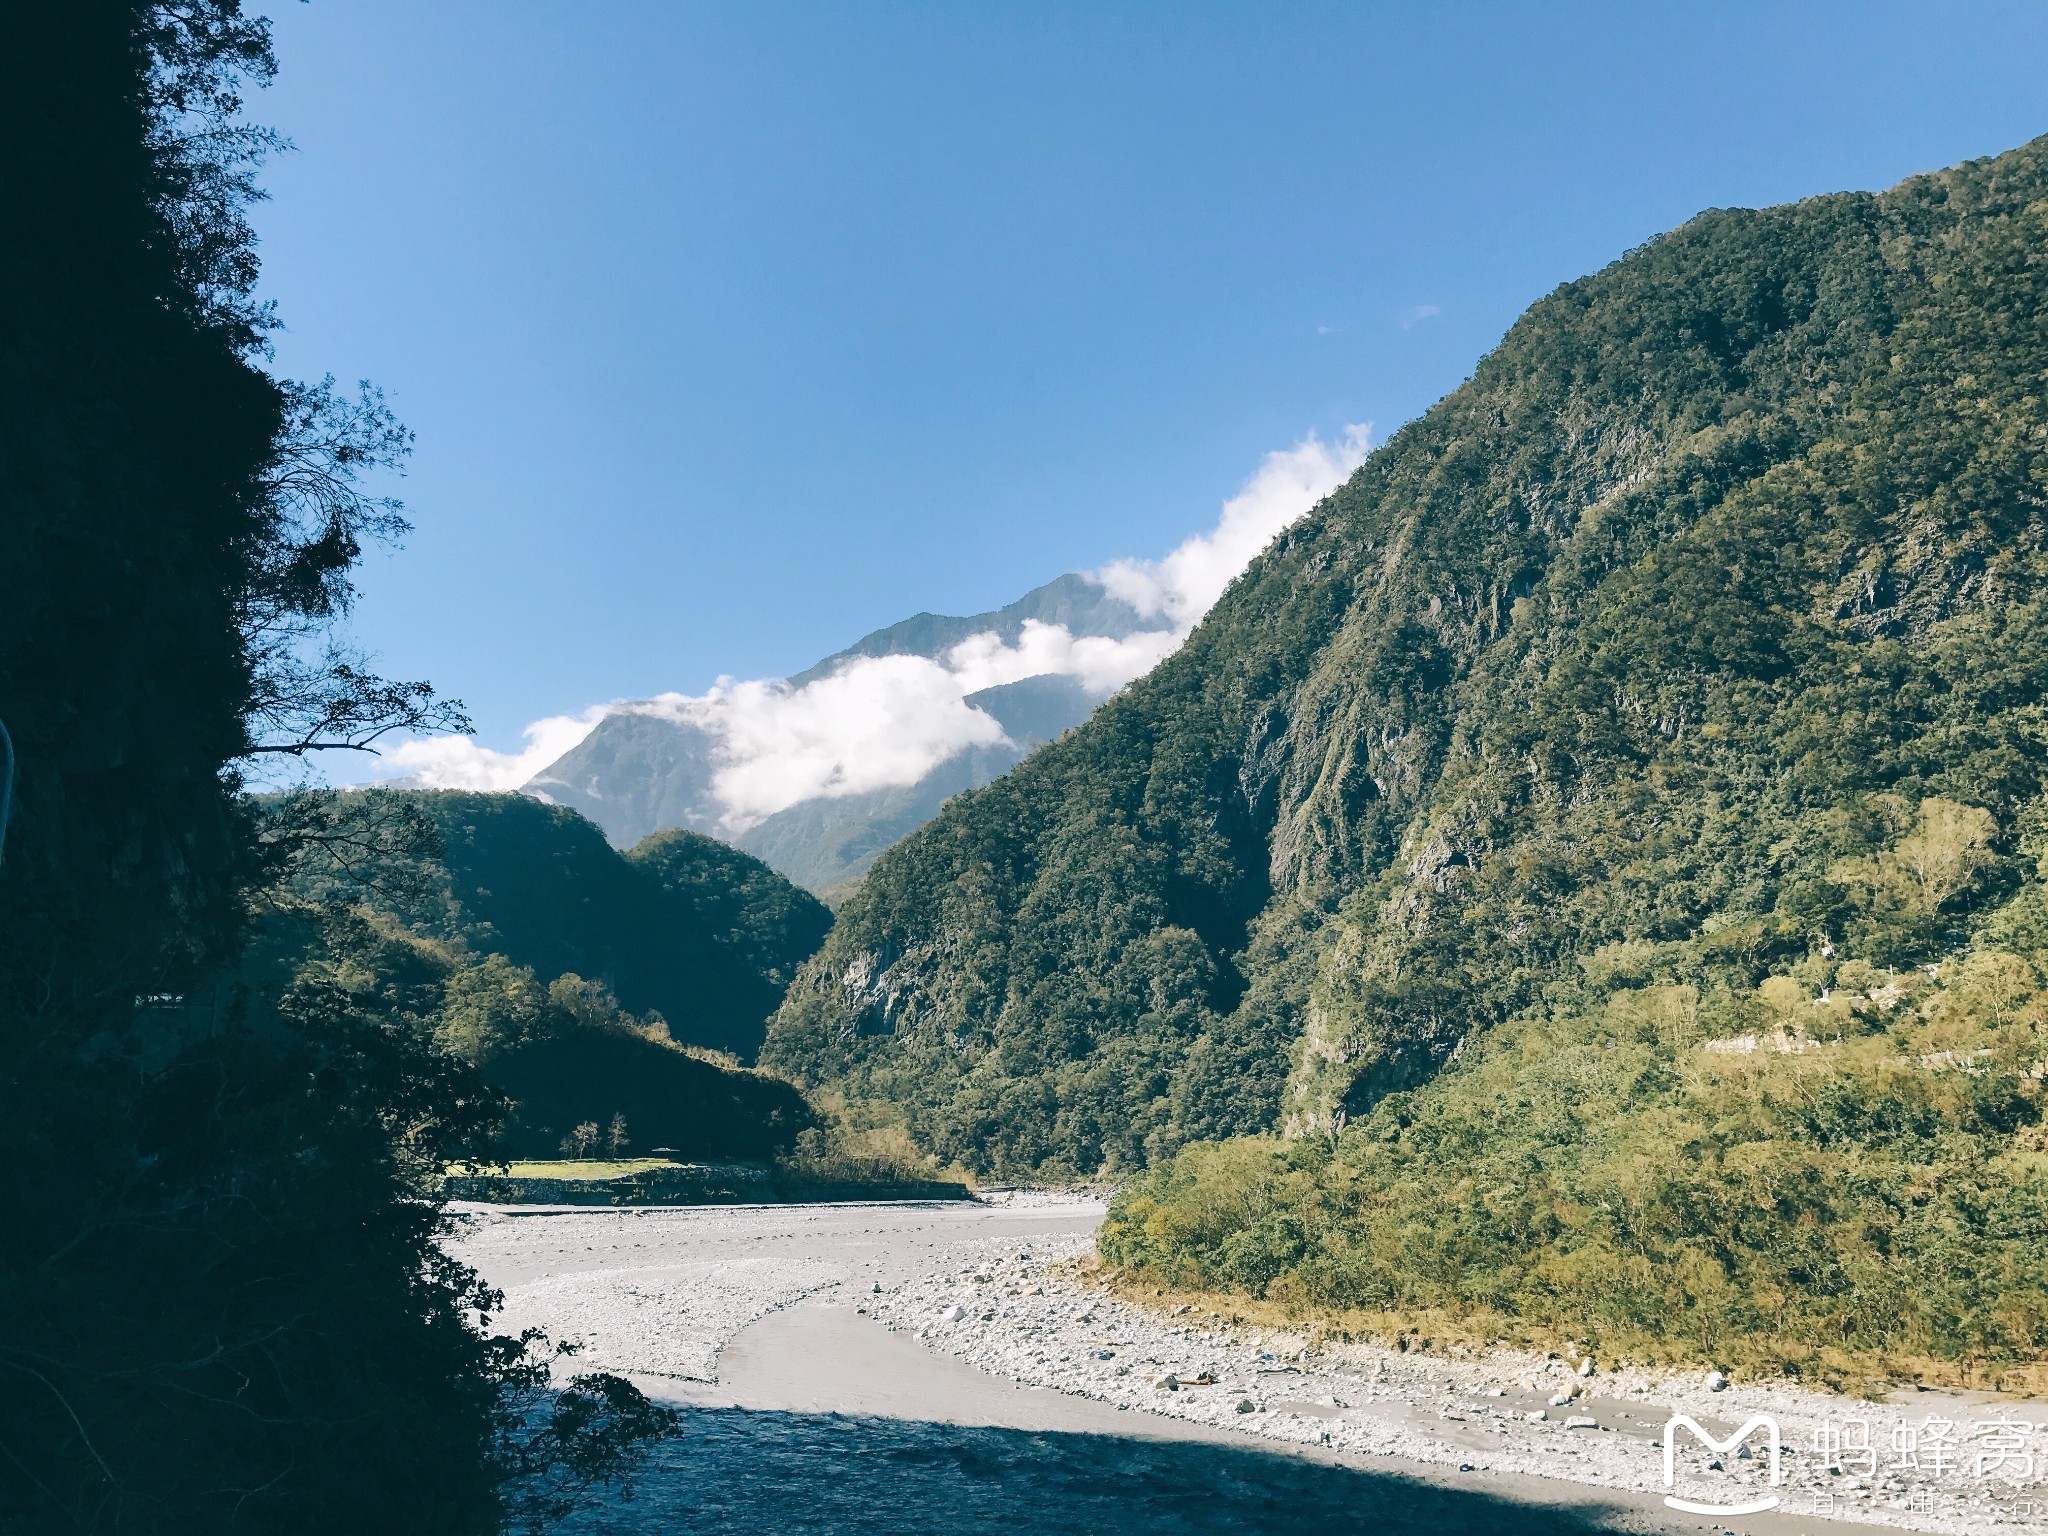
x: 1008, y: 1310
x: 681, y: 1298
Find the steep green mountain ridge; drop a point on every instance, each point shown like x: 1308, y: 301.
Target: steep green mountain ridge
x: 591, y: 987
x: 1710, y: 604
x: 681, y: 925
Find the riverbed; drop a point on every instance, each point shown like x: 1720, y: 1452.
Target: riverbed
x: 940, y: 1369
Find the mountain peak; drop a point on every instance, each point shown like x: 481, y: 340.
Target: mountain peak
x: 645, y: 769
x: 1079, y: 604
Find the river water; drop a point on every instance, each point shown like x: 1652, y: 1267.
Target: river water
x: 802, y: 1415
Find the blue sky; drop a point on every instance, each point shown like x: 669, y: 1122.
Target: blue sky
x: 730, y: 332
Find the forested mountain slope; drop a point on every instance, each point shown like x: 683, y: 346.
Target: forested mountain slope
x: 593, y: 988
x: 1695, y: 642
x: 681, y: 925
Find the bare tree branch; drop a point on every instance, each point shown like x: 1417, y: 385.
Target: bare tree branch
x: 317, y: 518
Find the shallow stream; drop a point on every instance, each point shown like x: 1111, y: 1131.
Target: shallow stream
x: 806, y: 1411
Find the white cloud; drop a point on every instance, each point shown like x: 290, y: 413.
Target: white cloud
x: 883, y: 721
x: 1099, y: 664
x: 1184, y: 585
x: 457, y: 762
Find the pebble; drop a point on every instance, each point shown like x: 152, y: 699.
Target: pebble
x: 1027, y: 1322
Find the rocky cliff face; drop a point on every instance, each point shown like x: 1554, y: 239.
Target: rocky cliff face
x: 1614, y: 646
x: 634, y: 775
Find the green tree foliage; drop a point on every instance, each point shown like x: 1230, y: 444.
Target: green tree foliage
x: 514, y: 935
x: 221, y: 1301
x: 563, y: 1053
x: 1707, y: 617
x: 682, y: 926
x: 1856, y: 1179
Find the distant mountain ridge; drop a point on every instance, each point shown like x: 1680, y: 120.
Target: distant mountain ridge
x: 641, y: 772
x: 1078, y: 604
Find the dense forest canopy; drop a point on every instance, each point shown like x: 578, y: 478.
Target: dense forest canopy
x: 221, y: 1300
x: 680, y: 925
x: 1676, y: 680
x: 591, y: 987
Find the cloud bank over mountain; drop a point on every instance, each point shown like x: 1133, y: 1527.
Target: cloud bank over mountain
x: 879, y: 721
x: 460, y: 762
x: 1186, y: 584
